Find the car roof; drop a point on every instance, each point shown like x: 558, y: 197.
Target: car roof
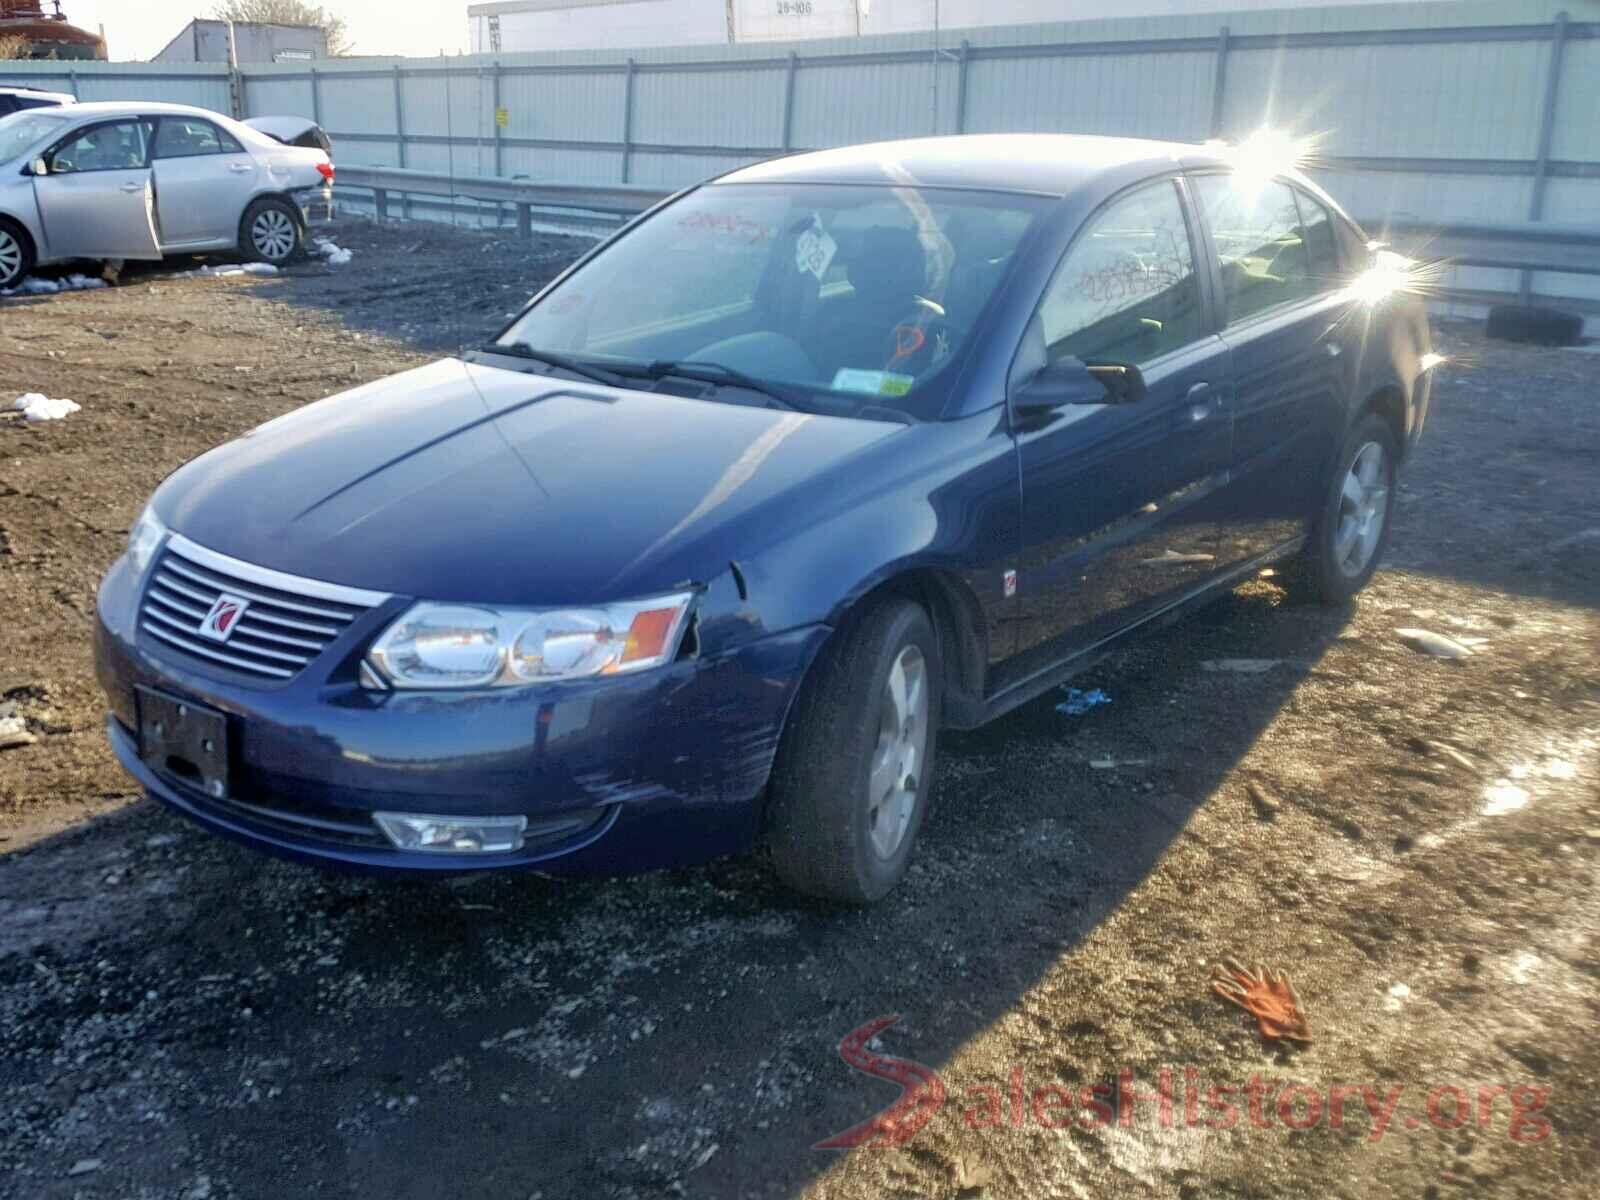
x: 1046, y: 163
x: 117, y: 108
x: 17, y: 89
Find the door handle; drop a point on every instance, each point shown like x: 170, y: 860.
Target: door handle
x: 240, y: 168
x: 1200, y: 401
x: 130, y: 188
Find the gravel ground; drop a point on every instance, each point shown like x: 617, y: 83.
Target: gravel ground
x: 1414, y: 840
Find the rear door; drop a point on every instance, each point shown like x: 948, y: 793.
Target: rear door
x: 203, y: 181
x: 96, y: 200
x: 1116, y: 498
x: 1285, y: 319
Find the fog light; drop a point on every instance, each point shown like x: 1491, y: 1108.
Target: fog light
x: 452, y: 835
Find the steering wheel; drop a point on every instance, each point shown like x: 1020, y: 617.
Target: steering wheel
x: 917, y: 341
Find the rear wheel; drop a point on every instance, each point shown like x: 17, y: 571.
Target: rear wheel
x: 850, y: 785
x: 271, y: 232
x: 16, y: 255
x: 1351, y: 531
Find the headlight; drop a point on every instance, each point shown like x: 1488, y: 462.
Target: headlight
x: 463, y: 646
x: 144, y: 539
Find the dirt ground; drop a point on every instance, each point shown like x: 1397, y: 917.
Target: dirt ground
x: 1414, y: 840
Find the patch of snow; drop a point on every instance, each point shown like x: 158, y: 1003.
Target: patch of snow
x: 234, y: 271
x: 1521, y: 971
x: 1503, y: 797
x: 35, y: 406
x: 332, y: 254
x: 33, y: 285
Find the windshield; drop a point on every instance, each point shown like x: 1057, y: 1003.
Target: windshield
x: 20, y: 131
x: 844, y: 297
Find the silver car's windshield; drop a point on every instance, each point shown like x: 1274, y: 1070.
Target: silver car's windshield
x: 840, y: 297
x: 21, y: 131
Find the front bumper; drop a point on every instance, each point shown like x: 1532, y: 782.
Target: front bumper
x: 656, y: 769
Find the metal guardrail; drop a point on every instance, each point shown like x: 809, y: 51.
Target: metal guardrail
x: 1516, y: 245
x: 1512, y: 245
x: 620, y: 199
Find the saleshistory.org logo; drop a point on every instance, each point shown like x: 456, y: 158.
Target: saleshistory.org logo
x: 1175, y: 1100
x: 220, y: 622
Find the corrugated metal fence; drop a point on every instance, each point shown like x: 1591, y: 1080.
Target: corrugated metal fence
x: 1427, y: 111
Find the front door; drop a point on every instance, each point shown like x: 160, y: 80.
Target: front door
x: 96, y: 200
x: 1286, y: 323
x: 1117, y: 498
x: 204, y: 181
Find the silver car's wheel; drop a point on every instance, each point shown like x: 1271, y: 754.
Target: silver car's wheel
x: 13, y: 258
x: 273, y: 234
x: 1363, y: 509
x: 897, y: 758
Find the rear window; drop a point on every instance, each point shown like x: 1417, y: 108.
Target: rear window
x: 1260, y: 244
x: 1322, y: 247
x: 187, y: 137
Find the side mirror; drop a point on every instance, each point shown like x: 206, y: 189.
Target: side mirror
x: 1071, y: 381
x: 39, y: 167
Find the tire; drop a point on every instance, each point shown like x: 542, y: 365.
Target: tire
x: 1529, y: 323
x: 16, y: 255
x: 1351, y: 531
x: 271, y: 232
x: 829, y: 836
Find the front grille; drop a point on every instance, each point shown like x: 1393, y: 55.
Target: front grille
x: 313, y: 823
x: 287, y: 622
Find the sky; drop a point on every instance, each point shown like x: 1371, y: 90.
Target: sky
x: 138, y: 30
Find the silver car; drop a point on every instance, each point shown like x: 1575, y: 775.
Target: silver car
x: 140, y: 181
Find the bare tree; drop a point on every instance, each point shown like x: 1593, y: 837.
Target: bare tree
x: 14, y: 45
x: 287, y: 12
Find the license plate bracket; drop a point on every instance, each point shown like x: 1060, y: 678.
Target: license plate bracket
x: 183, y: 741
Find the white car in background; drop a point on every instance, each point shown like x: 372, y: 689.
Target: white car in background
x: 124, y: 180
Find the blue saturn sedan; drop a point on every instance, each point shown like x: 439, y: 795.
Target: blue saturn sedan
x: 702, y: 551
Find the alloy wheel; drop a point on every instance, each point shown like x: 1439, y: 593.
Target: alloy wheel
x: 272, y: 232
x: 898, y: 756
x: 1363, y: 508
x: 10, y: 259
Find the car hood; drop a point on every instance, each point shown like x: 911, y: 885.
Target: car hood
x: 459, y: 481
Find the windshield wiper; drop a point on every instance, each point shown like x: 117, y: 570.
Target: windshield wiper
x: 561, y: 361
x: 713, y: 372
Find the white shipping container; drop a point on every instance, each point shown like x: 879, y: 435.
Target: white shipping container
x: 532, y: 25
x: 513, y: 26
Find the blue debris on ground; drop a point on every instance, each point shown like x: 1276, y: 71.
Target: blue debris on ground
x: 1079, y: 701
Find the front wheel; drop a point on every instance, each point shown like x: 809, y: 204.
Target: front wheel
x: 271, y: 232
x: 851, y: 781
x: 16, y: 256
x: 1351, y: 531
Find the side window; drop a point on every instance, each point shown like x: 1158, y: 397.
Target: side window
x: 1353, y: 244
x: 1256, y: 230
x: 8, y: 105
x: 184, y: 137
x: 116, y: 146
x: 1126, y: 291
x: 1322, y: 251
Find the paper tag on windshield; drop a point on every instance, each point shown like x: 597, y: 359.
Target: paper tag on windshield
x: 814, y: 249
x: 872, y: 383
